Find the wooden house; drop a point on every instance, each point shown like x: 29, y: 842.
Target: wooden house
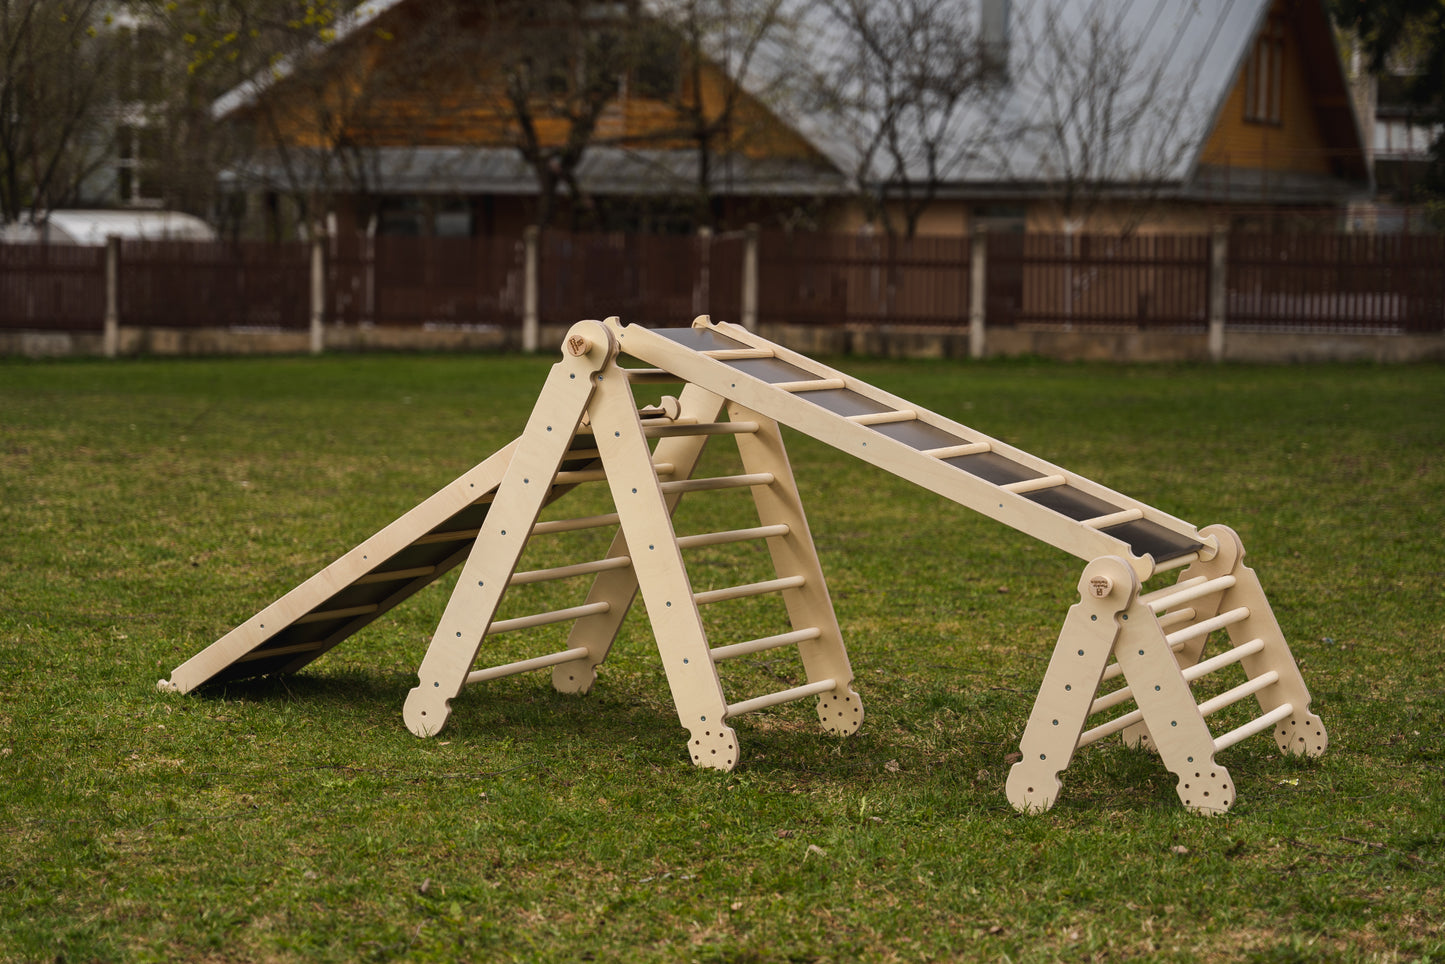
x: 1158, y: 116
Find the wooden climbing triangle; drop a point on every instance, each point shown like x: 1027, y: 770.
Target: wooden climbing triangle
x: 586, y: 427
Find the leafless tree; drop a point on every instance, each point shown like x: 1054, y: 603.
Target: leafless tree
x: 716, y: 44
x: 57, y: 101
x: 1105, y: 121
x: 893, y: 77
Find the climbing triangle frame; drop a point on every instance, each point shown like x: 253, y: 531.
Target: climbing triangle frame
x: 586, y: 427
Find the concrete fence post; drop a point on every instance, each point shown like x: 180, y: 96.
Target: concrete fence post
x: 978, y: 292
x: 318, y: 294
x: 702, y: 290
x: 111, y: 339
x: 1218, y: 291
x: 531, y: 336
x: 750, y: 278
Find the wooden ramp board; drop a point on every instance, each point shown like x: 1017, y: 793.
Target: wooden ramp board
x: 959, y: 463
x: 401, y: 559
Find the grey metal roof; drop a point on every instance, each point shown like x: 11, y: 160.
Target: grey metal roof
x: 1182, y: 57
x: 1172, y: 64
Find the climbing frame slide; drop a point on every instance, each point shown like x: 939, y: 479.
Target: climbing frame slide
x: 586, y: 427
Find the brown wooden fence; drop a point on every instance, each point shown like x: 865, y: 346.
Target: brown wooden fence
x: 52, y: 287
x: 1348, y: 282
x: 182, y: 284
x: 819, y: 279
x: 1099, y: 282
x: 650, y: 279
x: 427, y: 282
x: 1345, y: 283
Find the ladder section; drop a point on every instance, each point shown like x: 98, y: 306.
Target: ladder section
x: 959, y: 463
x: 645, y: 504
x: 1129, y: 663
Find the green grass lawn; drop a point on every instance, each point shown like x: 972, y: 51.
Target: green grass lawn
x: 146, y: 507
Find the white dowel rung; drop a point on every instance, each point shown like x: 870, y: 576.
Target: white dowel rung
x: 718, y: 482
x: 1114, y: 519
x: 764, y: 644
x: 545, y: 619
x: 884, y: 418
x: 526, y: 665
x: 1227, y: 658
x: 1256, y: 726
x: 1188, y: 593
x: 394, y: 575
x: 956, y: 451
x: 597, y: 475
x: 325, y: 615
x: 576, y: 525
x: 731, y: 535
x: 1208, y: 626
x: 700, y: 428
x: 1106, y: 729
x: 1231, y: 696
x: 751, y: 589
x: 811, y: 385
x: 784, y: 696
x: 567, y: 572
x: 1033, y: 485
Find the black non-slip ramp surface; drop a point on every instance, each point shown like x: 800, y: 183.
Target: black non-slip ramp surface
x: 1142, y: 536
x: 283, y: 643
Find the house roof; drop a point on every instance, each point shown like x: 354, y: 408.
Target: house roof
x: 1168, y: 67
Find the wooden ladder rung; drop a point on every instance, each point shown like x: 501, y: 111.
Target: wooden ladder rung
x: 783, y: 696
x: 1114, y: 519
x: 394, y: 575
x: 546, y: 619
x: 457, y: 535
x: 255, y: 654
x: 326, y: 615
x: 731, y: 535
x: 748, y: 590
x: 576, y: 525
x: 526, y: 665
x: 765, y: 643
x: 957, y: 451
x: 579, y: 476
x: 567, y: 572
x: 685, y: 430
x: 1206, y: 626
x: 1254, y: 726
x: 1190, y: 673
x: 717, y: 482
x: 1187, y: 591
x: 811, y: 385
x: 1034, y: 485
x: 884, y: 418
x: 646, y: 376
x: 736, y: 354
